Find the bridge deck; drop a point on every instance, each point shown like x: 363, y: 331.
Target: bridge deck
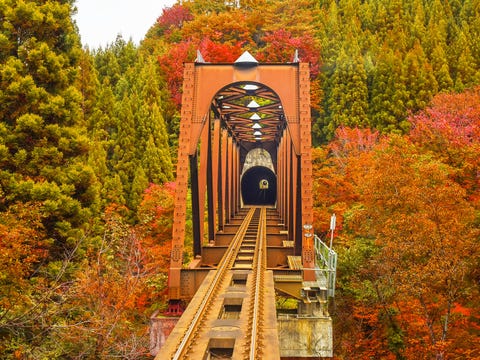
x: 232, y: 315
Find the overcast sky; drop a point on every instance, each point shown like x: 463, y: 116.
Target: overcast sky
x: 100, y: 21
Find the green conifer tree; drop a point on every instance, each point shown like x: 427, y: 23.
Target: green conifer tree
x: 417, y: 19
x: 40, y: 107
x: 465, y: 68
x: 113, y: 191
x: 138, y: 186
x: 382, y: 88
x: 136, y: 131
x: 152, y: 136
x: 124, y: 161
x: 43, y: 151
x: 441, y: 69
x: 348, y: 97
x: 420, y: 80
x: 115, y: 60
x: 87, y: 82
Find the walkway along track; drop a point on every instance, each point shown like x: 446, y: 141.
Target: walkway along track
x: 232, y: 316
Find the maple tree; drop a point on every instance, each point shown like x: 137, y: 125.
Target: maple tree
x: 173, y: 18
x: 121, y: 281
x: 220, y: 52
x: 229, y: 27
x: 450, y: 128
x: 110, y: 292
x: 426, y: 251
x: 23, y: 247
x: 171, y: 64
x: 280, y: 46
x: 156, y: 221
x: 333, y: 188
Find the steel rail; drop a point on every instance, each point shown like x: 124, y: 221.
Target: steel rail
x: 223, y: 266
x: 259, y: 268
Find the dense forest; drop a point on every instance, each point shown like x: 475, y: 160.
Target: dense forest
x: 88, y: 146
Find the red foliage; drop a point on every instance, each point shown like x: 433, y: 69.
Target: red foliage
x: 369, y: 335
x: 171, y: 65
x: 174, y: 16
x: 459, y: 309
x: 450, y: 128
x: 451, y: 120
x: 216, y: 52
x: 125, y: 275
x: 281, y: 46
x: 423, y: 226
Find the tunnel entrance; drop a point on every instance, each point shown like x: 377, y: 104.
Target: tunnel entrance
x: 259, y: 186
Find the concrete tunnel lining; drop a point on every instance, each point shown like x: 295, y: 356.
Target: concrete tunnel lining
x: 259, y: 186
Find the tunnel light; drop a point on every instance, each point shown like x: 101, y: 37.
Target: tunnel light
x: 257, y: 133
x: 256, y: 126
x: 253, y: 105
x: 258, y: 138
x: 250, y: 87
x: 255, y: 117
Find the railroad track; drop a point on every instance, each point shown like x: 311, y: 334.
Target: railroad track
x: 231, y: 301
x: 259, y: 267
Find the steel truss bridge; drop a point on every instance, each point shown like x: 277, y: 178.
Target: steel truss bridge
x: 259, y: 284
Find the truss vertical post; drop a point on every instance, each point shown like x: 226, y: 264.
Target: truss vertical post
x: 197, y: 241
x: 181, y: 186
x: 286, y: 186
x: 212, y: 178
x: 291, y: 198
x: 236, y: 179
x: 228, y: 185
x: 203, y: 175
x: 305, y: 166
x: 216, y: 166
x: 280, y: 182
x: 222, y: 206
x: 296, y: 214
x: 220, y: 187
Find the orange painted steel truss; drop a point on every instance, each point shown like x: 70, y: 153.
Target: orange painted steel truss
x: 228, y: 110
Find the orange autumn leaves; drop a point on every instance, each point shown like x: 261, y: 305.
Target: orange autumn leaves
x: 22, y: 247
x: 408, y: 211
x: 122, y: 280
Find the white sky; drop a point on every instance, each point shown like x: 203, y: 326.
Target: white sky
x: 100, y: 21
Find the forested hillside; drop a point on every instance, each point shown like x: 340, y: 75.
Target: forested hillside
x: 88, y: 145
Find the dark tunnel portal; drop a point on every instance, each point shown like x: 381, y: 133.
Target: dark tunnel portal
x: 259, y: 186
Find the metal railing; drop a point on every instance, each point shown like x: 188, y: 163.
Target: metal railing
x: 325, y: 265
